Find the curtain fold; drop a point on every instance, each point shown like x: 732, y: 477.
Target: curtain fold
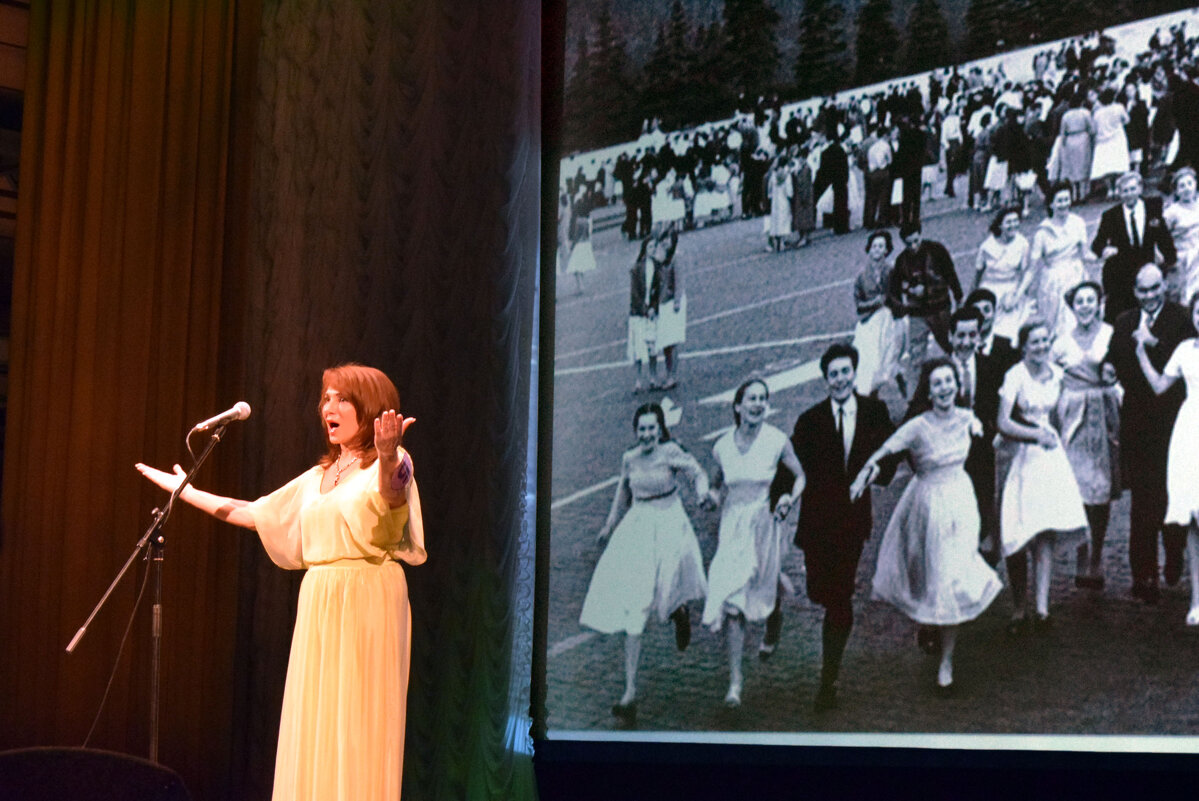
x: 117, y: 322
x: 395, y: 222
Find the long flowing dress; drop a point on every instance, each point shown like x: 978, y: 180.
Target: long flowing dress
x: 652, y: 564
x: 1111, y: 143
x: 1183, y: 222
x: 1057, y: 252
x: 1003, y: 266
x: 1182, y: 461
x: 781, y: 191
x: 929, y: 566
x: 1088, y: 413
x: 1074, y: 145
x: 1040, y: 493
x: 880, y: 338
x: 803, y: 204
x: 746, y: 570
x: 347, y: 675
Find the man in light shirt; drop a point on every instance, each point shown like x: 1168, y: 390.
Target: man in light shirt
x: 876, y: 209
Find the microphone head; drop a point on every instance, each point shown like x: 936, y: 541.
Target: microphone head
x: 243, y: 410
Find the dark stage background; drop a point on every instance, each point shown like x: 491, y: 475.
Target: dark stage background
x: 218, y: 199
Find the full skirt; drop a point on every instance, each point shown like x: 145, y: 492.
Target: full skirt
x: 1090, y: 420
x: 652, y: 566
x: 1040, y: 495
x: 582, y: 258
x: 672, y: 325
x: 747, y: 568
x: 929, y: 566
x: 880, y: 341
x: 1182, y: 466
x: 1111, y: 157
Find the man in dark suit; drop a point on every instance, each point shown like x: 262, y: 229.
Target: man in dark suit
x: 991, y: 344
x: 833, y: 440
x: 980, y: 379
x: 1146, y: 421
x: 1130, y: 235
x: 834, y: 172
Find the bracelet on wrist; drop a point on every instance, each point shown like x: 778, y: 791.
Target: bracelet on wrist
x: 402, y: 475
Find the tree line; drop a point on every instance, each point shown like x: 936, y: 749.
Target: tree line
x: 695, y: 72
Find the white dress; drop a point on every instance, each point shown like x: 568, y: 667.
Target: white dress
x: 1183, y: 222
x: 652, y: 564
x: 1111, y: 143
x: 929, y: 566
x: 1182, y: 462
x: 1002, y: 269
x: 780, y: 203
x: 1057, y: 251
x: 1040, y: 493
x: 347, y: 674
x: 745, y: 572
x: 880, y: 338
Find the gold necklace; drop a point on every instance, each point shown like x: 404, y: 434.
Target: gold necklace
x: 340, y: 467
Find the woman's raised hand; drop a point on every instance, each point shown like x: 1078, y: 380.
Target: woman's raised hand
x: 389, y: 431
x: 865, y: 476
x: 168, y: 481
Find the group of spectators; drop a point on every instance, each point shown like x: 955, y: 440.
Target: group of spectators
x: 1084, y: 113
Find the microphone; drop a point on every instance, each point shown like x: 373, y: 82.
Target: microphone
x: 240, y: 411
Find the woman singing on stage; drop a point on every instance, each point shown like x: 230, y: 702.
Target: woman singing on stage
x: 348, y: 520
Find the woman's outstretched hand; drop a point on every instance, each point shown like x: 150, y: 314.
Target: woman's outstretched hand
x: 168, y: 481
x: 389, y: 432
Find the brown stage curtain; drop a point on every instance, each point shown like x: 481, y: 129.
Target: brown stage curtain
x: 117, y: 327
x: 394, y: 221
x: 174, y: 257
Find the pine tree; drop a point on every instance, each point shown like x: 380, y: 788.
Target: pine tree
x: 751, y: 56
x: 986, y: 27
x: 615, y: 116
x: 928, y: 45
x: 820, y: 66
x: 578, y: 105
x: 877, y: 44
x: 714, y: 98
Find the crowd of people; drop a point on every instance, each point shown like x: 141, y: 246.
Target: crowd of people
x: 1083, y: 113
x: 1036, y: 393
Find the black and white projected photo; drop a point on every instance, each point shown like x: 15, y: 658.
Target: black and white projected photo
x: 875, y: 374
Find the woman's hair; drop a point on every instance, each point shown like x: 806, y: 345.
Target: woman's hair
x: 1107, y: 96
x: 883, y: 235
x: 671, y: 237
x: 740, y: 394
x: 371, y: 393
x: 1073, y: 291
x: 656, y: 411
x: 1178, y: 176
x: 1026, y: 331
x: 1057, y: 187
x: 921, y: 402
x: 997, y: 220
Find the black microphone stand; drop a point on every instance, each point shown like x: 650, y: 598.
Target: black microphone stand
x: 157, y: 546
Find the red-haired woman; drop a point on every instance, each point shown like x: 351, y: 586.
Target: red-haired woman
x: 348, y: 520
